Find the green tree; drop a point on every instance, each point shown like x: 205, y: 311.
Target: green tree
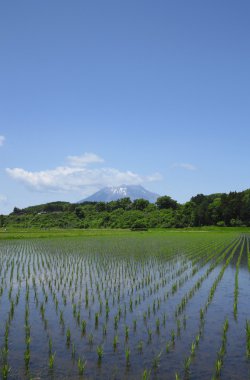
x: 140, y: 204
x: 1, y: 221
x: 139, y: 224
x: 79, y: 213
x: 100, y: 206
x: 166, y: 202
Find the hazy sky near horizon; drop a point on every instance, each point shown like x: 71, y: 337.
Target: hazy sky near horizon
x: 97, y: 93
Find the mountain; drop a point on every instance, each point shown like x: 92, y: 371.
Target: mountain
x: 113, y: 193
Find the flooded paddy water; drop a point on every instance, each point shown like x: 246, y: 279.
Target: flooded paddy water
x: 166, y: 306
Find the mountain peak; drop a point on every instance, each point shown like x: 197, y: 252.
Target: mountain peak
x: 113, y: 193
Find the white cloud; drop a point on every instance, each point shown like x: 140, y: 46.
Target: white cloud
x: 77, y: 176
x: 85, y: 159
x: 2, y: 139
x: 3, y: 198
x: 186, y: 166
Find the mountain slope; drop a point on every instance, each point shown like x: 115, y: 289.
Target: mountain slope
x: 113, y: 193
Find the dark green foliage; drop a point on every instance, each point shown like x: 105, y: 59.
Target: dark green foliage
x: 139, y: 225
x: 166, y: 202
x: 79, y: 212
x: 231, y: 209
x: 140, y: 204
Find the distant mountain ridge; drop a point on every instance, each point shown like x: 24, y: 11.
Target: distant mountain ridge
x: 113, y: 193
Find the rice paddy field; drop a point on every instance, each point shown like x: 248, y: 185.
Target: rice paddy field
x: 166, y: 305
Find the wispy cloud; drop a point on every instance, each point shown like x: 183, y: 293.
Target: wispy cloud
x: 3, y: 198
x: 2, y: 139
x: 186, y: 166
x: 78, y: 176
x: 85, y: 159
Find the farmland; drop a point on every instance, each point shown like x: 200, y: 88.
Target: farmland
x: 165, y: 305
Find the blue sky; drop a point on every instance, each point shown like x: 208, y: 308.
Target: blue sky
x: 96, y: 93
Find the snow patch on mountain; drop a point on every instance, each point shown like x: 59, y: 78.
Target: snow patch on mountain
x: 113, y: 193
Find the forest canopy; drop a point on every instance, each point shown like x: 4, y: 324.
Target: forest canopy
x: 220, y: 209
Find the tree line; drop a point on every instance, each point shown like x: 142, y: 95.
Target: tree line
x: 220, y: 209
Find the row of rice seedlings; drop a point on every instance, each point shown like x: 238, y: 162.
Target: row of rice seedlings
x: 221, y: 352
x: 195, y: 343
x: 13, y: 303
x: 182, y: 305
x: 81, y: 363
x: 27, y: 328
x: 4, y: 353
x: 42, y: 312
x: 74, y: 311
x: 5, y: 369
x: 42, y: 309
x: 132, y: 289
x: 179, y: 283
x: 203, y: 311
x: 208, y: 257
x: 46, y: 260
x: 130, y: 303
x: 51, y: 355
x: 96, y: 323
x: 248, y: 338
x: 218, y: 279
x: 236, y: 285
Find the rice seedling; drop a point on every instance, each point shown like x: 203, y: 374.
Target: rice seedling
x: 99, y: 351
x: 140, y: 346
x: 27, y: 358
x: 127, y: 356
x: 91, y: 339
x: 73, y: 351
x: 149, y: 335
x: 134, y: 324
x: 156, y: 361
x: 115, y: 342
x: 50, y: 345
x: 5, y: 370
x: 83, y: 327
x: 68, y: 337
x: 218, y: 366
x: 187, y: 363
x: 178, y: 327
x: 126, y: 332
x: 193, y: 348
x: 96, y: 319
x: 51, y: 360
x: 222, y: 350
x: 81, y: 364
x: 173, y: 337
x: 157, y: 323
x: 104, y: 330
x: 168, y: 344
x: 116, y: 320
x: 146, y: 375
x: 201, y: 314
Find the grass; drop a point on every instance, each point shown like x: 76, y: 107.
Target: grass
x: 27, y: 233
